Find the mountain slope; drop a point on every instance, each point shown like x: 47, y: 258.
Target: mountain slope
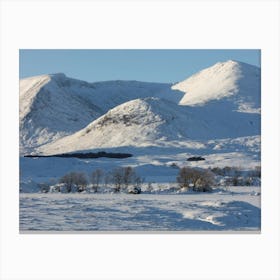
x: 53, y: 106
x: 60, y: 114
x: 153, y: 122
x: 139, y: 122
x: 231, y: 81
x: 49, y: 109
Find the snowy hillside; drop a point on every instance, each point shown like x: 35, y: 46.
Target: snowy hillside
x: 140, y: 122
x: 60, y: 114
x: 52, y: 106
x: 154, y: 122
x: 231, y: 81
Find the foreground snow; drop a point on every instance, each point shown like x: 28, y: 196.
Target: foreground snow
x: 235, y: 209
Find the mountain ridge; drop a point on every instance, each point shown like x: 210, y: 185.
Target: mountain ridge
x: 224, y: 80
x: 219, y: 101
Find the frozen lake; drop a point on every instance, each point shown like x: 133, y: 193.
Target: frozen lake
x: 234, y: 210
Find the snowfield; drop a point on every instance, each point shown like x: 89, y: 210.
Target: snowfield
x: 154, y: 164
x: 237, y: 209
x: 214, y: 115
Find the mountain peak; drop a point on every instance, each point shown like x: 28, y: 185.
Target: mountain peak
x: 228, y: 62
x: 57, y: 75
x: 231, y: 79
x: 235, y: 63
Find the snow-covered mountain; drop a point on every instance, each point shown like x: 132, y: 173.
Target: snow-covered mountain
x: 60, y: 114
x: 154, y: 122
x: 231, y: 82
x: 53, y: 106
x: 140, y: 122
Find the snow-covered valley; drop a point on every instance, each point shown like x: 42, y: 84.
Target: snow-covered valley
x: 214, y: 114
x: 154, y: 164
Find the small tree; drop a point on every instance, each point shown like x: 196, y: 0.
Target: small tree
x: 149, y: 187
x: 184, y: 178
x: 235, y: 181
x: 108, y: 179
x: 204, y: 182
x: 198, y: 180
x: 138, y: 181
x: 129, y: 176
x: 124, y: 177
x: 248, y: 181
x: 44, y: 187
x: 68, y: 180
x: 81, y: 181
x: 74, y: 179
x: 117, y: 178
x: 96, y: 177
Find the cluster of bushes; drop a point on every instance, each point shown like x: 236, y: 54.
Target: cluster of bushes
x: 119, y: 179
x: 242, y: 181
x: 195, y: 179
x: 235, y: 171
x: 203, y: 180
x: 226, y: 171
x: 234, y: 176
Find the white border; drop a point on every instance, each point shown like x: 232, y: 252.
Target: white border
x: 153, y: 24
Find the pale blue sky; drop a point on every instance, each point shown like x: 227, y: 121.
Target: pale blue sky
x: 141, y: 65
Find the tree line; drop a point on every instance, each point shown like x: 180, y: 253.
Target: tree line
x: 125, y: 179
x: 121, y: 178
